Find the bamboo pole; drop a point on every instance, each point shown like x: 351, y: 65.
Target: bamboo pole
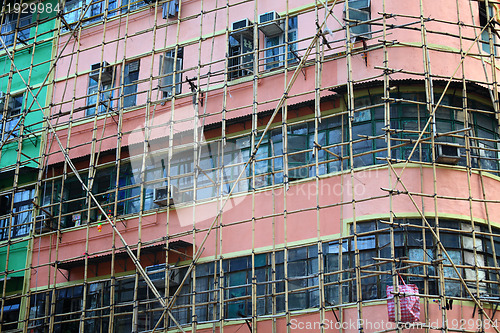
x: 350, y: 108
x: 320, y: 58
x: 252, y: 158
x: 436, y: 237
x: 319, y: 51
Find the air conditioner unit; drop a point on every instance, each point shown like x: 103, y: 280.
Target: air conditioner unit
x: 106, y: 75
x: 270, y: 24
x: 242, y: 27
x: 447, y: 153
x: 162, y: 196
x: 43, y: 224
x: 156, y: 274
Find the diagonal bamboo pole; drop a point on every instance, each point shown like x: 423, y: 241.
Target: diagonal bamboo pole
x: 141, y: 270
x: 419, y: 139
x: 252, y: 157
x: 441, y: 246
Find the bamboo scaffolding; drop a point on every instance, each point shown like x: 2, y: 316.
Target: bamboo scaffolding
x: 214, y: 79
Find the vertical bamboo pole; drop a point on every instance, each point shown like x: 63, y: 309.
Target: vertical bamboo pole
x: 113, y: 289
x: 315, y: 152
x: 350, y: 108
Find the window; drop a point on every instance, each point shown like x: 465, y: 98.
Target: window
x: 74, y: 205
x: 73, y: 11
x: 68, y: 307
x: 77, y: 209
x: 182, y: 174
x: 483, y: 22
x: 98, y: 297
x: 417, y: 244
x: 130, y: 83
x: 37, y: 311
x: 207, y: 180
x: 182, y: 307
x: 103, y: 186
x: 21, y: 214
x: 148, y: 307
x: 303, y: 286
x: 11, y: 309
x: 238, y: 285
x: 206, y: 295
x: 237, y: 152
x: 303, y: 278
x: 69, y: 303
x: 339, y: 256
x: 298, y: 144
x: 73, y: 200
x: 134, y: 4
x: 98, y: 8
x: 241, y: 52
x: 105, y: 97
x: 129, y: 194
x: 171, y: 66
x: 270, y: 284
x: 275, y: 52
x: 359, y: 12
x: 411, y: 118
x: 334, y: 261
x: 9, y: 27
x: 12, y: 116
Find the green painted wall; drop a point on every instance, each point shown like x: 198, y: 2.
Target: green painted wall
x: 41, y: 54
x: 17, y: 258
x: 33, y: 64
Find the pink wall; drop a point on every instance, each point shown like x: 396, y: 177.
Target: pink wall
x: 268, y: 88
x: 266, y: 231
x: 374, y: 317
x: 301, y: 222
x: 299, y: 226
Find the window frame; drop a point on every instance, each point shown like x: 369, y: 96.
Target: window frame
x: 171, y: 65
x: 134, y: 5
x: 10, y: 24
x: 94, y: 14
x: 72, y: 12
x: 409, y: 239
x: 130, y: 83
x: 105, y: 92
x: 241, y: 56
x: 13, y: 115
x: 19, y: 207
x: 483, y: 21
x: 277, y: 60
x: 363, y: 30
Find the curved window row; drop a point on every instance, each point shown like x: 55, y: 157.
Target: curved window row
x: 198, y: 174
x: 238, y: 282
x: 416, y: 244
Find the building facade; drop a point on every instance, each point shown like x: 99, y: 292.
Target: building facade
x: 273, y: 167
x: 25, y: 80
